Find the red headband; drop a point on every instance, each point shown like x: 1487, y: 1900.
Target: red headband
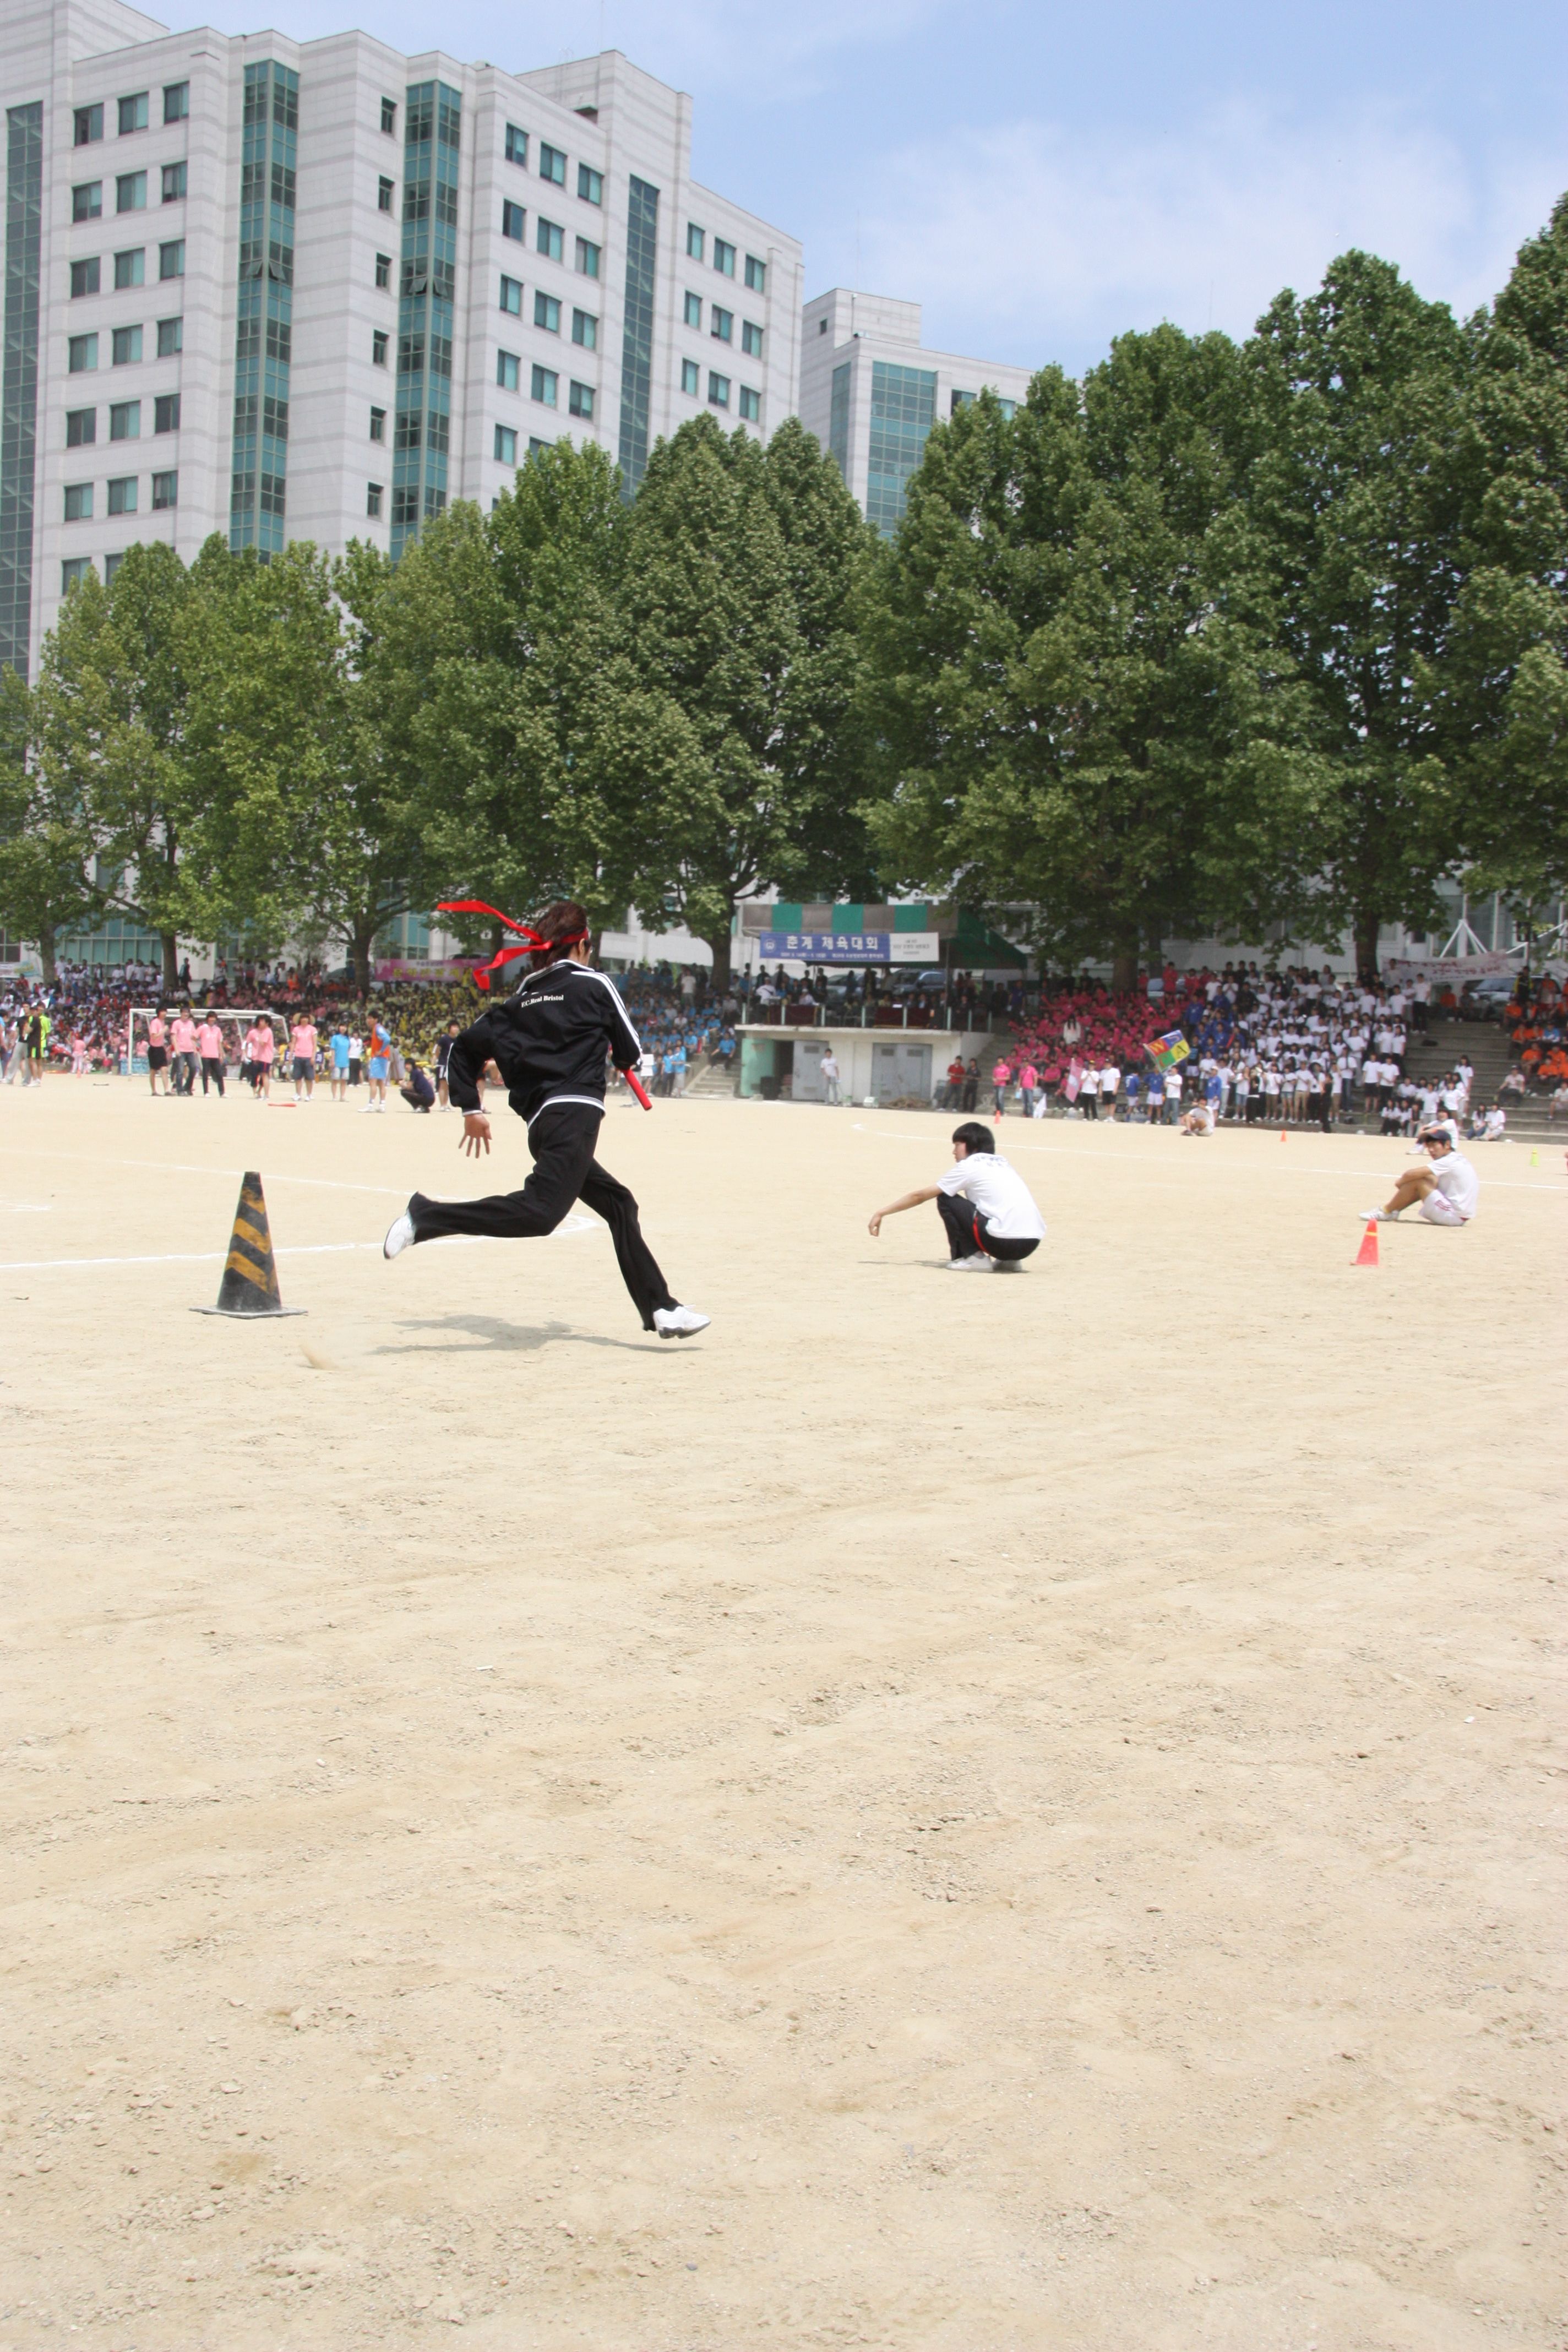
x: 529, y: 941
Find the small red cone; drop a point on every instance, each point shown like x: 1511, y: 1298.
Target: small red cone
x: 1282, y: 1135
x: 1367, y: 1253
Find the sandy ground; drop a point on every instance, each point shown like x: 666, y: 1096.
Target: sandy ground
x: 948, y: 1813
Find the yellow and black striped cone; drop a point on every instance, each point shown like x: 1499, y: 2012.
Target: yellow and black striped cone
x: 249, y: 1284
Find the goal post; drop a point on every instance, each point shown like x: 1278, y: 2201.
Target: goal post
x: 221, y: 1014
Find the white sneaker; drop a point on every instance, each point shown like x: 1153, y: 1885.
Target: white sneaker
x: 975, y: 1263
x: 679, y: 1322
x: 399, y: 1234
x: 1380, y: 1216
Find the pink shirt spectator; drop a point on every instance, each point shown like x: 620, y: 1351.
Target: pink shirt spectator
x: 302, y: 1042
x: 184, y: 1035
x: 263, y: 1045
x: 209, y: 1042
x: 156, y: 1033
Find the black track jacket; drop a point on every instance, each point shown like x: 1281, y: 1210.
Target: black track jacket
x: 549, y: 1042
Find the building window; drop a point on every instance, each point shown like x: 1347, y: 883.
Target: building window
x: 389, y: 117
x: 170, y: 337
x: 552, y: 166
x: 694, y: 312
x: 384, y: 271
x: 74, y: 568
x: 579, y: 401
x: 84, y: 276
x: 511, y: 296
x: 177, y: 101
x: 171, y: 259
x: 751, y: 405
x: 82, y: 355
x: 378, y: 423
x: 537, y: 448
x: 903, y: 410
x: 79, y: 503
x: 718, y: 390
x: 723, y: 257
x: 586, y: 330
x: 751, y: 339
x: 516, y: 144
x: 111, y: 564
x: 125, y: 421
x: 696, y: 240
x: 127, y: 345
x: 506, y: 371
x: 373, y: 498
x: 81, y: 427
x: 822, y: 326
x: 690, y: 378
x: 166, y: 412
x: 590, y: 184
x: 588, y: 257
x: 506, y: 445
x: 545, y: 382
x: 133, y: 114
x: 384, y: 192
x: 723, y: 327
x: 122, y: 495
x: 165, y: 491
x: 86, y: 201
x: 130, y: 269
x: 550, y: 237
x: 89, y: 125
x: 378, y: 346
x: 130, y: 192
x: 547, y: 314
x: 174, y: 183
x: 513, y: 220
x: 756, y: 275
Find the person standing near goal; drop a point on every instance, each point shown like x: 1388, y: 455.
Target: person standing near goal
x: 549, y: 1042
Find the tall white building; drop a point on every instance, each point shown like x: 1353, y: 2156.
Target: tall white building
x: 870, y: 392
x: 316, y: 290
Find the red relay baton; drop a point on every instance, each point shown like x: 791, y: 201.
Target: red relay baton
x: 639, y: 1088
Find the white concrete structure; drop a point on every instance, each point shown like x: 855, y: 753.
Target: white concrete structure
x: 870, y: 391
x: 316, y: 290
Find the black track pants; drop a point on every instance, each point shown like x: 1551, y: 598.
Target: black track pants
x: 968, y: 1232
x: 564, y: 1170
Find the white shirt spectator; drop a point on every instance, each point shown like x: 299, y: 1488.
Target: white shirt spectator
x: 999, y: 1193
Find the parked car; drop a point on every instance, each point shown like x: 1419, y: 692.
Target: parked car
x: 1483, y: 1000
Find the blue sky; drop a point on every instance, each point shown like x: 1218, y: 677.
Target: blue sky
x: 1041, y: 177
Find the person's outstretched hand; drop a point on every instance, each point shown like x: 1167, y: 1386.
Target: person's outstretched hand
x: 476, y: 1136
x: 875, y: 1227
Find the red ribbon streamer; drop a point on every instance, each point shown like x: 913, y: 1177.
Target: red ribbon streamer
x: 529, y: 941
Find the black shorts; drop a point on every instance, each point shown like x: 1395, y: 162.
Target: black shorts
x: 157, y: 1057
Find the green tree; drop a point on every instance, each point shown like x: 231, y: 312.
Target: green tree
x: 110, y: 712
x: 1356, y: 494
x: 46, y: 847
x: 1500, y: 696
x: 1073, y: 679
x: 521, y: 743
x: 738, y: 610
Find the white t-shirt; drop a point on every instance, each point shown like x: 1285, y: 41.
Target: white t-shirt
x: 1458, y: 1181
x: 999, y: 1193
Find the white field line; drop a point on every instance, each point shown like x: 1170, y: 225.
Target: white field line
x: 298, y: 1249
x: 1281, y: 1168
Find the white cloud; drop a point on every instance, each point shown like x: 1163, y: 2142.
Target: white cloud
x: 1041, y: 241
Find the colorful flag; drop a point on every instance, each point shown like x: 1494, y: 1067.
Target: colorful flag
x: 1167, y: 1052
x: 1074, y: 1079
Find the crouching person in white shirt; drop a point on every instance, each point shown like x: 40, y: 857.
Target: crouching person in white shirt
x: 1445, y: 1192
x: 986, y: 1206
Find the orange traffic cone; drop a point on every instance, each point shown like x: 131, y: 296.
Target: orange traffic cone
x: 249, y: 1284
x: 1367, y: 1253
x: 1282, y: 1135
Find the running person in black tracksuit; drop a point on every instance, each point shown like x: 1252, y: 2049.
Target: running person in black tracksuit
x: 549, y: 1042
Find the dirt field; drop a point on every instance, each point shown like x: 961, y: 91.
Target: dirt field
x: 953, y: 1814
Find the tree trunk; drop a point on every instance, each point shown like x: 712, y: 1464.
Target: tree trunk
x: 47, y: 953
x: 364, y: 933
x: 1124, y: 964
x: 719, y: 942
x: 1366, y: 937
x: 171, y: 962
